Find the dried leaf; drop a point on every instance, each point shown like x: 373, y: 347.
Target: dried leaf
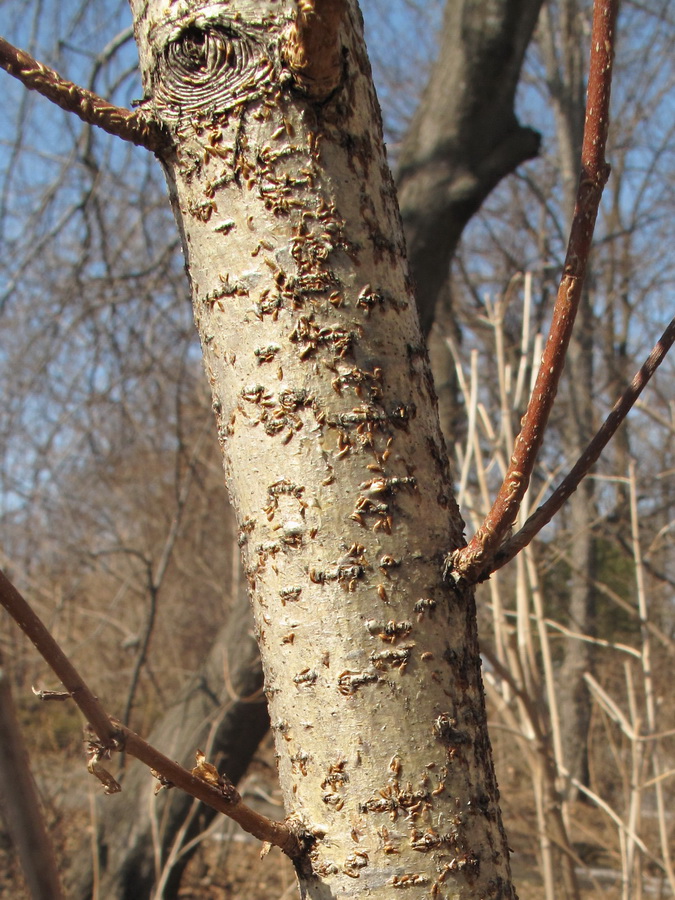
x: 51, y: 695
x: 206, y: 771
x: 110, y: 786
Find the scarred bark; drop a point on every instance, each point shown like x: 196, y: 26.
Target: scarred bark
x: 327, y: 419
x: 312, y: 48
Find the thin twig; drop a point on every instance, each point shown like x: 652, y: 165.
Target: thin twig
x: 113, y: 736
x: 123, y: 123
x: 224, y: 798
x: 475, y: 558
x: 543, y: 515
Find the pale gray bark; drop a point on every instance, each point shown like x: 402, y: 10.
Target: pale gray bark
x: 327, y: 419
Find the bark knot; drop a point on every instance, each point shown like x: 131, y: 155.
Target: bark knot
x: 209, y: 65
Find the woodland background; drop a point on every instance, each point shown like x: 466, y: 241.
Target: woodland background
x: 113, y: 511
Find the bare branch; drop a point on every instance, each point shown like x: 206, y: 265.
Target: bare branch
x: 313, y: 50
x: 123, y: 123
x: 543, y: 515
x: 470, y: 561
x: 221, y: 795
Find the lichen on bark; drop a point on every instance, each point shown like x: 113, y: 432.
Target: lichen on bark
x: 326, y: 415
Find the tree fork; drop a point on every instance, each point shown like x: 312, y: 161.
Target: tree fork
x: 475, y: 561
x: 327, y: 419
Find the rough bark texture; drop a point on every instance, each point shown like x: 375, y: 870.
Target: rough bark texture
x: 457, y: 151
x: 206, y: 715
x: 328, y: 423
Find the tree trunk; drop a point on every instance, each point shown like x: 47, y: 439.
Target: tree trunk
x: 473, y: 84
x: 328, y: 424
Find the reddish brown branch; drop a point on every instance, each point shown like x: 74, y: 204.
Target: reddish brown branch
x: 475, y: 558
x: 224, y: 797
x: 112, y: 735
x: 91, y: 108
x: 543, y: 515
x: 313, y: 52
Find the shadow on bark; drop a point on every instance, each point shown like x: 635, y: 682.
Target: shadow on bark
x: 223, y: 709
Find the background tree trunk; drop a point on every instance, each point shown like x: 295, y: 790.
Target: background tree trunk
x: 20, y: 804
x: 222, y: 711
x: 463, y: 140
x: 465, y: 136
